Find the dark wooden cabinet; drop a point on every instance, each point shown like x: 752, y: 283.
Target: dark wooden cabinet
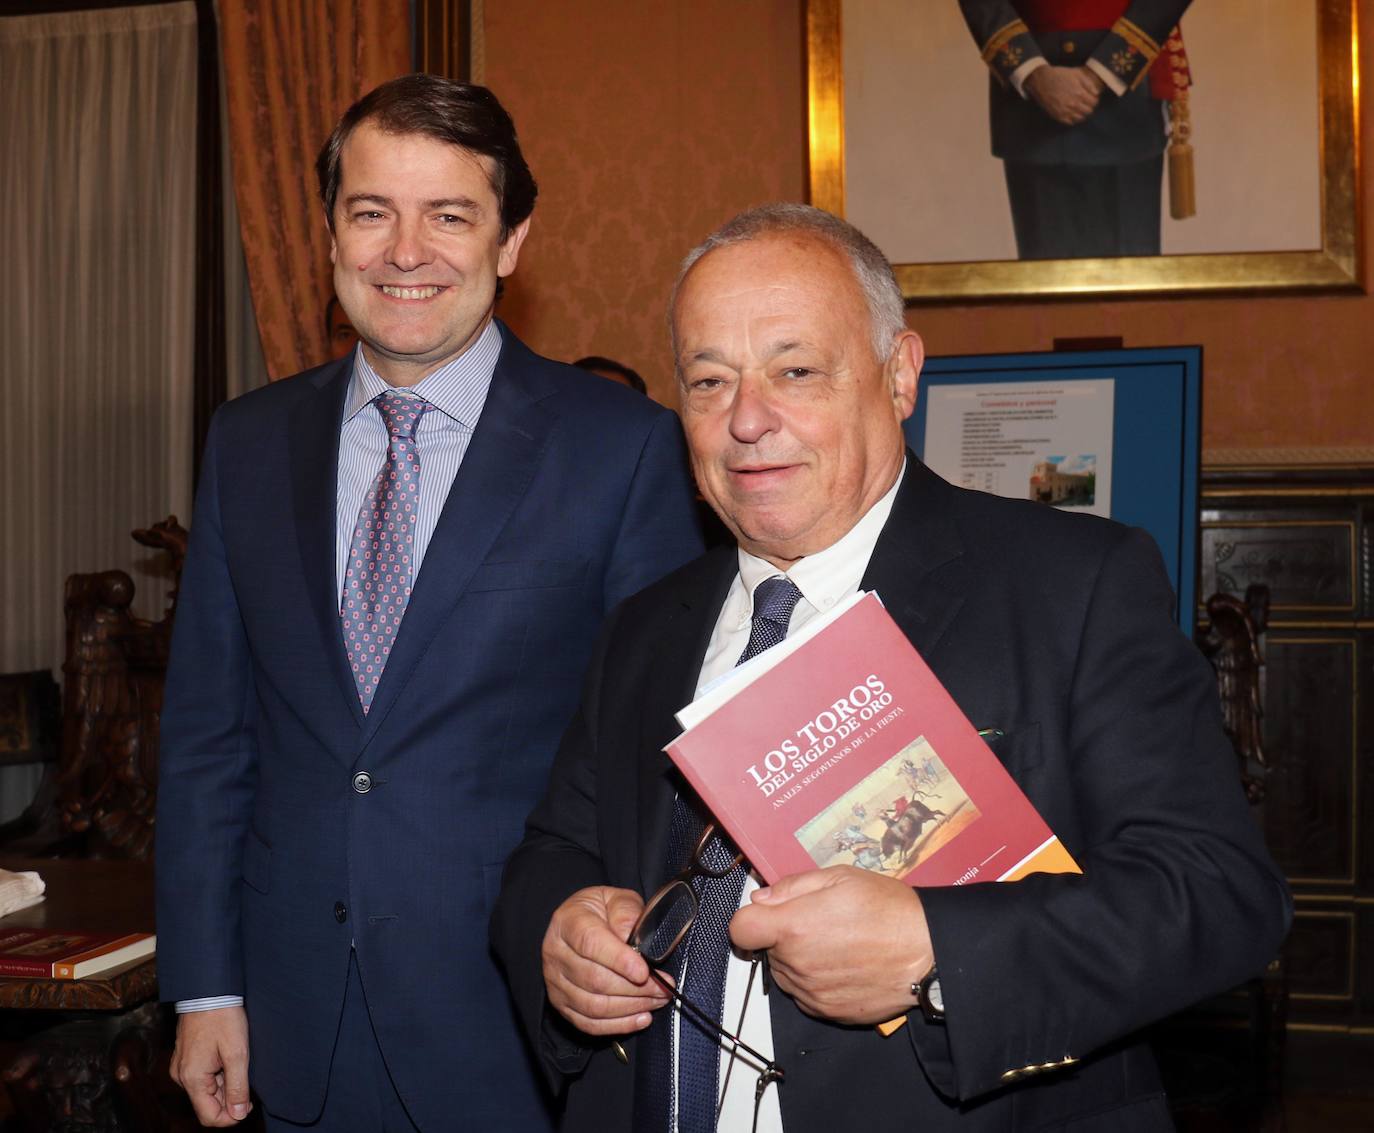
x: 1309, y: 536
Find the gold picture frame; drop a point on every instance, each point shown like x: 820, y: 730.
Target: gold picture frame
x: 1336, y: 266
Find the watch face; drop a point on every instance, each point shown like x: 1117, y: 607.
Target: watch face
x: 935, y: 997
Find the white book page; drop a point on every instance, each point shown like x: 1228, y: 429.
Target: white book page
x: 727, y: 686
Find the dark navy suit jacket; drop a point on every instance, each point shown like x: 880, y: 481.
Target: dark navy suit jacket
x: 573, y: 494
x: 1056, y: 629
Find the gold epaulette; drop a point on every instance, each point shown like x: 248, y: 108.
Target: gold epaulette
x: 1001, y: 37
x: 1132, y: 64
x: 1002, y: 53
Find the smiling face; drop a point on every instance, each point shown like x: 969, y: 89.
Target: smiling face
x: 417, y: 249
x: 793, y: 423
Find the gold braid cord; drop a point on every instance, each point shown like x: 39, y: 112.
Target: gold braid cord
x: 1182, y: 177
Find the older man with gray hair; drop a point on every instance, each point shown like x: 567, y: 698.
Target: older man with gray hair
x: 1021, y: 999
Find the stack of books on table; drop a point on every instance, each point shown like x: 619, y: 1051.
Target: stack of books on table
x: 30, y: 953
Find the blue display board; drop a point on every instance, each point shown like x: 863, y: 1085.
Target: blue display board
x: 1155, y: 436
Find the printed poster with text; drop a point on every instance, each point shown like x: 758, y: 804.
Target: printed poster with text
x: 1049, y: 441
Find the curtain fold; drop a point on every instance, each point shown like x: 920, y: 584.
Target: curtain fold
x: 245, y: 367
x: 290, y: 70
x: 97, y: 172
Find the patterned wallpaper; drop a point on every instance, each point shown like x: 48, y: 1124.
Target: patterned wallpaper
x: 646, y: 125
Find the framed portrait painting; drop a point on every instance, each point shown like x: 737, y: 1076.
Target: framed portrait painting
x: 924, y: 123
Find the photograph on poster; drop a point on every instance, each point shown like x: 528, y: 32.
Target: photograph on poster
x: 1049, y: 441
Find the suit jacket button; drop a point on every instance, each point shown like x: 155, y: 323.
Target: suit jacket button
x: 1069, y: 47
x: 362, y: 782
x: 340, y: 912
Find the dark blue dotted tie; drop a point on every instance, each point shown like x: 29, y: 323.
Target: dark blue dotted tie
x: 706, y: 950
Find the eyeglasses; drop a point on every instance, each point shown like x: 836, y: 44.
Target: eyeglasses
x: 666, y: 920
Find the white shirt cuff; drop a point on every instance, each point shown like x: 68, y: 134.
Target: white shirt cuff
x: 1103, y: 72
x: 209, y: 1003
x: 1018, y: 76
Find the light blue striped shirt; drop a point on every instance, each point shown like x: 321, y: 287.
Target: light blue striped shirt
x: 456, y: 393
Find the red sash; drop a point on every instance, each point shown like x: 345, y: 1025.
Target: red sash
x: 1169, y: 74
x: 1045, y: 16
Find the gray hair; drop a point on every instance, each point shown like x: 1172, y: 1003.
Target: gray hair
x: 886, y: 308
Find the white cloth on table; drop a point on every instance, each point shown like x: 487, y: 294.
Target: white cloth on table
x: 19, y: 891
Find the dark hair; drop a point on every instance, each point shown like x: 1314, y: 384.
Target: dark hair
x: 461, y: 114
x: 597, y: 362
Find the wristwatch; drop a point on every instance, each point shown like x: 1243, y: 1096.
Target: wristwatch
x: 929, y: 997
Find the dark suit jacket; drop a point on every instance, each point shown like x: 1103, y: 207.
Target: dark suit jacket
x: 572, y: 495
x: 1056, y: 629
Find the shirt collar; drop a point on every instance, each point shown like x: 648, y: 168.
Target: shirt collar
x: 834, y: 573
x: 458, y: 388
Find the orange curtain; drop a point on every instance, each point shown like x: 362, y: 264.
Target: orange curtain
x: 290, y: 70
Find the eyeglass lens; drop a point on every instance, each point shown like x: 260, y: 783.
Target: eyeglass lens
x: 665, y: 921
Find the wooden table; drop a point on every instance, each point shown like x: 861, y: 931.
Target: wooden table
x: 94, y: 897
x: 78, y: 1054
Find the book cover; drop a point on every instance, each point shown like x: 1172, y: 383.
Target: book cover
x: 848, y: 750
x: 50, y: 954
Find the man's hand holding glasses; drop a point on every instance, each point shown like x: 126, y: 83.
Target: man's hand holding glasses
x: 595, y: 980
x: 846, y: 944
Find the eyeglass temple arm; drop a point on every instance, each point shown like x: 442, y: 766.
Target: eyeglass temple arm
x: 770, y: 1067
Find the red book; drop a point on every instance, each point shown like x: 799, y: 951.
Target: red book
x: 842, y: 747
x: 48, y: 954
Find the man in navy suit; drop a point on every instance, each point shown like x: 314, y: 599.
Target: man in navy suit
x: 397, y: 568
x: 1021, y: 1000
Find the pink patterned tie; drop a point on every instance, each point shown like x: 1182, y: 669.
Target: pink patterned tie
x: 377, y: 584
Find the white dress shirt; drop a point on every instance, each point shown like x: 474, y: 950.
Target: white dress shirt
x: 1019, y: 76
x: 824, y: 579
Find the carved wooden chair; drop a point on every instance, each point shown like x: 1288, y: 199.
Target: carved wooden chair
x: 30, y: 724
x: 103, y: 793
x: 1235, y: 646
x: 1234, y: 643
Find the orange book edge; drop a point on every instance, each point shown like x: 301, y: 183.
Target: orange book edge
x: 65, y: 968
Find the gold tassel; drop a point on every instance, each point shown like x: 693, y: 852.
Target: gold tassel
x: 1182, y: 186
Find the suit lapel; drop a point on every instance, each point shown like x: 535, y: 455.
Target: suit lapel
x: 671, y: 683
x: 313, y: 440
x: 497, y: 469
x: 919, y: 537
